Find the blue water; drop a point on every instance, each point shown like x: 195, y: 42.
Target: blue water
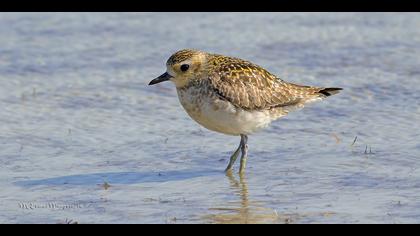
x: 76, y: 113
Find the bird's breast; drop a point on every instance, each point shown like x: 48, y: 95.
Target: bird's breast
x: 206, y: 108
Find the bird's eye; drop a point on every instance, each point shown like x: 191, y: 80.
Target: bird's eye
x: 184, y: 67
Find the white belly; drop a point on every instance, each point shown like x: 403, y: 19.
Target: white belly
x: 221, y: 116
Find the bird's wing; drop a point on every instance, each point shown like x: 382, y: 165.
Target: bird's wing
x: 250, y: 86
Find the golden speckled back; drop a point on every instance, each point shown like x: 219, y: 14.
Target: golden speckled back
x: 250, y: 86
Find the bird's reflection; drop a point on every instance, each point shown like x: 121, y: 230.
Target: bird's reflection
x: 246, y: 211
x: 243, y: 211
x: 241, y: 187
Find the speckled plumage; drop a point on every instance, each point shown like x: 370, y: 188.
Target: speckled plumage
x: 234, y: 96
x: 251, y: 87
x: 245, y: 85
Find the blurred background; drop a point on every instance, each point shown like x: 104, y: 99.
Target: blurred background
x: 81, y: 129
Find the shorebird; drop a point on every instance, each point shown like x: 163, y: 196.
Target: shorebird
x: 233, y: 96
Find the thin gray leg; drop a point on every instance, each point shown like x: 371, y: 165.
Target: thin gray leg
x: 244, y: 149
x: 234, y: 157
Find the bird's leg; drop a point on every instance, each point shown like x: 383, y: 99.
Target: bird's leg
x: 244, y: 148
x: 233, y: 157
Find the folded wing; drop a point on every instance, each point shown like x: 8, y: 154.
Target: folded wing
x: 251, y: 87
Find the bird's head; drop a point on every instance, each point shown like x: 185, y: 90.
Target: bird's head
x: 182, y: 67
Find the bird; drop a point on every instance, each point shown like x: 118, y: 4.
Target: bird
x: 234, y: 96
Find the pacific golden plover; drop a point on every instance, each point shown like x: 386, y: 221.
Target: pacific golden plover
x: 233, y: 96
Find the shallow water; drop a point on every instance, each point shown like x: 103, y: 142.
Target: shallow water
x: 84, y: 139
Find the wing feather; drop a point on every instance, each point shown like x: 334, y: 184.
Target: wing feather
x: 249, y: 86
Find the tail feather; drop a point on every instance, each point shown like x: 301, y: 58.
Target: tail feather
x: 318, y: 94
x: 329, y: 91
x: 308, y: 94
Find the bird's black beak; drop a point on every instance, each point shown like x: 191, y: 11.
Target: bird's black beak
x: 164, y: 77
